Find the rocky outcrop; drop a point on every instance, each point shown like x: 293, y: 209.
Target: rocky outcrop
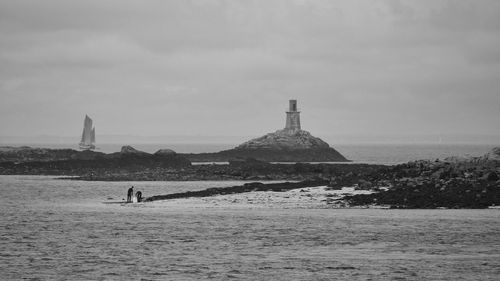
x: 280, y: 146
x: 270, y: 155
x: 30, y: 154
x: 127, y: 161
x: 285, y: 140
x: 493, y: 155
x: 472, y: 183
x: 248, y: 187
x: 165, y: 152
x: 127, y: 149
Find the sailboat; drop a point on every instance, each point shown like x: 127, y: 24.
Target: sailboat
x: 88, y: 135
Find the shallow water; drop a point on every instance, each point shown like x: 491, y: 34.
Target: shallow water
x: 61, y: 230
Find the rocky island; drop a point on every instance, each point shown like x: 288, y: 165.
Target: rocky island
x: 280, y: 146
x: 42, y: 161
x: 291, y: 144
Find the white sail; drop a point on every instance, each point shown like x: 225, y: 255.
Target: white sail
x: 87, y: 127
x: 83, y: 135
x: 88, y: 135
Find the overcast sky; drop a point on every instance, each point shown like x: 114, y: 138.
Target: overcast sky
x: 229, y: 67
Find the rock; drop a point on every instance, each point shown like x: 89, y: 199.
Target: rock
x: 127, y: 149
x: 491, y: 176
x: 248, y: 162
x: 493, y: 155
x: 333, y: 187
x: 285, y: 139
x: 165, y: 152
x: 280, y: 146
x: 271, y: 155
x: 276, y: 187
x: 11, y: 149
x: 129, y: 162
x: 457, y: 159
x: 28, y: 154
x: 364, y: 184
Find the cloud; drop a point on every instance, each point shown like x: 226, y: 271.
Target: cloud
x: 229, y: 67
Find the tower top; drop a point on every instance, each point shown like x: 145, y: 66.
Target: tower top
x: 293, y: 105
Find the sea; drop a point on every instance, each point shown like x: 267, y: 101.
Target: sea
x: 63, y: 229
x: 378, y: 153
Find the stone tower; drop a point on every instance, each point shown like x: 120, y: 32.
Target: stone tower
x: 292, y: 117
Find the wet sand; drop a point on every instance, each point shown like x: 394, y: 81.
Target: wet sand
x: 320, y: 197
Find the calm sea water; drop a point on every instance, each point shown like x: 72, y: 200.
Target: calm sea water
x: 360, y: 153
x: 60, y: 230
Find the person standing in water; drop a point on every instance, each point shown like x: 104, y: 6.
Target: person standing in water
x: 130, y: 192
x: 138, y: 195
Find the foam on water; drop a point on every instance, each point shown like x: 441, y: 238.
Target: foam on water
x: 60, y: 230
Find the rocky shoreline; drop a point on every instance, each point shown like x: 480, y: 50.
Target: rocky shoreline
x: 448, y: 183
x: 312, y: 197
x: 135, y: 168
x: 164, y: 165
x: 270, y: 155
x: 437, y: 184
x: 248, y: 187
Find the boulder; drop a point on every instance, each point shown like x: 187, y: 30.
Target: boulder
x: 494, y: 154
x: 247, y: 162
x: 127, y: 149
x: 165, y: 152
x: 364, y: 184
x: 491, y: 176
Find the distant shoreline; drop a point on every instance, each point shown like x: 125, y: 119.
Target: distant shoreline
x: 361, y: 153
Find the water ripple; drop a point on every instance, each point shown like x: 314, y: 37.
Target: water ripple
x: 59, y: 230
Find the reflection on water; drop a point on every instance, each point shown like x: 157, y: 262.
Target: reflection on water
x: 59, y: 229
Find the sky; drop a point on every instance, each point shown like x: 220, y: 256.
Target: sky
x: 229, y: 67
